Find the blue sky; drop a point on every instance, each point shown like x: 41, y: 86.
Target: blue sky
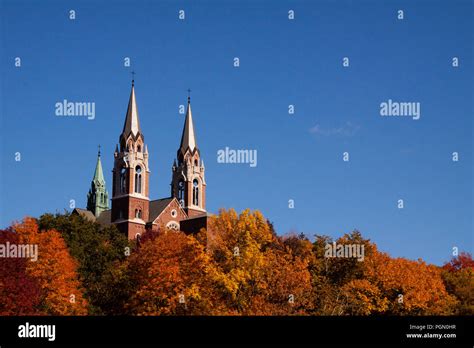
x: 282, y: 62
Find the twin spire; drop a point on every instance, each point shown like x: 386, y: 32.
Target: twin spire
x: 132, y: 124
x: 98, y: 196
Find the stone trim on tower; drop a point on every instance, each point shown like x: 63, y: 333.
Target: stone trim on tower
x: 131, y: 175
x: 132, y: 212
x: 188, y: 184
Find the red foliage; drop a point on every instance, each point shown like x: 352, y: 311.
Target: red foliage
x: 462, y: 261
x: 19, y: 292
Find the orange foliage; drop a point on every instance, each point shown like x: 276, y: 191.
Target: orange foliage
x: 172, y: 275
x: 364, y: 298
x: 411, y: 287
x: 239, y: 266
x: 55, y: 270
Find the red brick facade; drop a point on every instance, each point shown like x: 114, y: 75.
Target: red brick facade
x: 132, y: 211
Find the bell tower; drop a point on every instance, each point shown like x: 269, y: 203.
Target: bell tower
x: 188, y: 184
x: 130, y: 187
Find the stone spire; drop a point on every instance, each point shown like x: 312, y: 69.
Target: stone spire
x: 188, y: 185
x: 132, y: 123
x: 188, y: 138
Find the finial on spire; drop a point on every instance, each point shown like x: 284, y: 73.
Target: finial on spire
x: 189, y: 95
x: 99, y: 150
x: 133, y: 78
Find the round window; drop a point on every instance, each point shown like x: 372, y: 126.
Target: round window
x: 174, y: 213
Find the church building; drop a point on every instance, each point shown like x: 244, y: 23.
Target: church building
x: 132, y: 211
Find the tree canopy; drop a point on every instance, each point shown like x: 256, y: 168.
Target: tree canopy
x: 238, y: 266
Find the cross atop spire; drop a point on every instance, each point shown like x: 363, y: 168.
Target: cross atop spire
x: 99, y: 150
x: 189, y: 95
x: 133, y: 78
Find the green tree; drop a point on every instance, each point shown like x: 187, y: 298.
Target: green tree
x: 98, y: 250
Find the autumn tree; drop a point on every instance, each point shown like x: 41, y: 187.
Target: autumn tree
x: 458, y: 276
x: 260, y: 275
x: 238, y: 266
x: 171, y: 274
x: 298, y: 245
x: 361, y: 297
x: 330, y: 274
x: 410, y: 287
x: 285, y: 288
x: 99, y: 251
x: 55, y: 270
x: 19, y: 292
x: 396, y: 286
x: 376, y: 284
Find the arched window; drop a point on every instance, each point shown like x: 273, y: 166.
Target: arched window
x: 139, y: 148
x: 138, y: 179
x: 181, y: 191
x: 196, y: 162
x: 138, y: 213
x: 195, y: 192
x: 102, y: 198
x: 123, y: 180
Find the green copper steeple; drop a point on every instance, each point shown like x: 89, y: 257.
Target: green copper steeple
x: 98, y: 197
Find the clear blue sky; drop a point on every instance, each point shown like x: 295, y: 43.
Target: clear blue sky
x: 282, y: 62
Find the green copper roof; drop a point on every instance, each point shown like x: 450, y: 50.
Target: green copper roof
x: 98, y: 174
x: 98, y: 197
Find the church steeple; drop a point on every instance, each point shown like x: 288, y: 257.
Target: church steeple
x: 98, y: 197
x: 188, y: 137
x: 130, y: 187
x: 131, y: 127
x: 98, y: 173
x: 188, y: 184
